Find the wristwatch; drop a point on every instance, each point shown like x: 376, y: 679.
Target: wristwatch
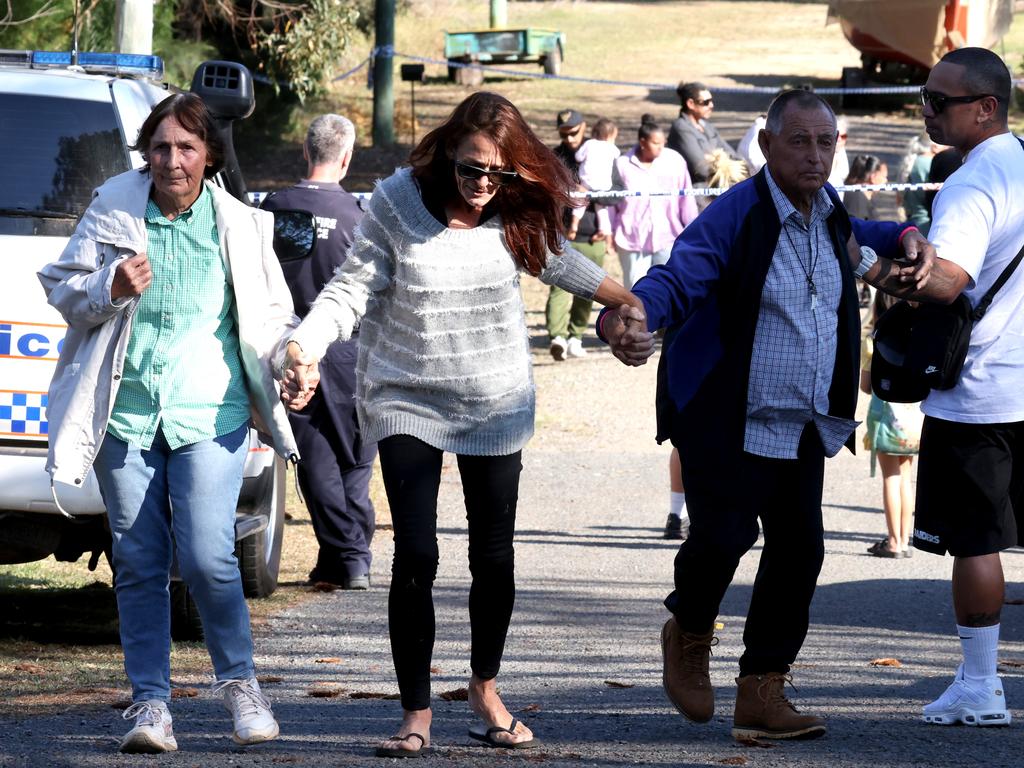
x: 868, y: 257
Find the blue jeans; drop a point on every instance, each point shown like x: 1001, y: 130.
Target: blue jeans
x: 200, y: 483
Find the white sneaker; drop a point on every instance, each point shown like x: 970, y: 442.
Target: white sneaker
x: 970, y: 703
x: 575, y: 348
x: 250, y: 710
x: 557, y: 348
x: 152, y: 732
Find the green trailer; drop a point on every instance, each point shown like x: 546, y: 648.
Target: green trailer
x: 502, y: 46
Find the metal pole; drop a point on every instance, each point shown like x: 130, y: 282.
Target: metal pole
x: 412, y: 85
x: 383, y: 74
x: 499, y: 13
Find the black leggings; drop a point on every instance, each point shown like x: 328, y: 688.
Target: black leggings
x: 490, y: 484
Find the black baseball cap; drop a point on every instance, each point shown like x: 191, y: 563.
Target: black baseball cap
x: 568, y: 118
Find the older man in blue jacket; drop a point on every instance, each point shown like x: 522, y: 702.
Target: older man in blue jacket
x: 761, y: 387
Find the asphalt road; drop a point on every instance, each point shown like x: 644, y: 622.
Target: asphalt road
x: 592, y: 571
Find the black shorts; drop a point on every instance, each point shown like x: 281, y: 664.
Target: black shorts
x: 970, y: 488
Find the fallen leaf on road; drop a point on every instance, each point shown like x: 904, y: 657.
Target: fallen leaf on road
x: 531, y: 708
x: 28, y: 666
x: 737, y: 760
x: 456, y: 694
x: 1012, y: 664
x: 267, y: 679
x: 886, y: 663
x: 435, y: 670
x: 719, y: 625
x: 324, y: 586
x: 325, y: 691
x: 757, y: 743
x: 184, y: 693
x: 617, y: 684
x: 329, y: 660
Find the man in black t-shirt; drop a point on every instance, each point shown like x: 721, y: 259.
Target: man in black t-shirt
x: 568, y: 316
x: 334, y: 473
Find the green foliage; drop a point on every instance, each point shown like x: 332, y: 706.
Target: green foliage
x: 298, y: 43
x: 52, y: 30
x: 304, y: 45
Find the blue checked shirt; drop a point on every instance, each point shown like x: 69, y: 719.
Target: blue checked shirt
x: 795, y: 341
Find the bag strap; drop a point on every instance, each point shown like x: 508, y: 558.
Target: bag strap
x: 986, y: 300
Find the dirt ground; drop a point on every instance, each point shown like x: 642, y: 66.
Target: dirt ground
x: 724, y: 44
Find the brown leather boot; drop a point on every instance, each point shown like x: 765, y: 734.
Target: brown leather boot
x: 685, y: 671
x: 764, y: 712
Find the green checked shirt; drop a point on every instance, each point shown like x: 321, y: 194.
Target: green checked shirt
x: 182, y: 371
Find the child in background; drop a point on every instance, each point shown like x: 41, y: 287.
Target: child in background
x: 596, y: 158
x: 893, y: 437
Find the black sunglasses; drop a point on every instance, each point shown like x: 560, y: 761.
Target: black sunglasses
x: 497, y: 178
x: 938, y: 101
x: 703, y: 102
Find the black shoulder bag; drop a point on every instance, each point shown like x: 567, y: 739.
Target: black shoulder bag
x: 918, y: 349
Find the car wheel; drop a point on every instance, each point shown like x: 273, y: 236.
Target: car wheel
x: 185, y: 622
x: 259, y: 555
x: 553, y: 61
x: 469, y: 76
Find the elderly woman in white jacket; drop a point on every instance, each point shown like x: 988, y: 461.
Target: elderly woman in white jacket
x: 177, y: 311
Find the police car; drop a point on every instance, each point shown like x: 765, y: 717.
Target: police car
x: 65, y: 126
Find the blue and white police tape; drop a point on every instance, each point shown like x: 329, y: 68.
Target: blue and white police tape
x: 715, y: 191
x: 257, y: 197
x: 388, y: 51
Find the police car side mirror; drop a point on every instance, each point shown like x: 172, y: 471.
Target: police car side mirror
x: 294, y: 234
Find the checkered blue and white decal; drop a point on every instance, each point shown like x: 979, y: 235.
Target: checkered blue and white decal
x: 23, y: 414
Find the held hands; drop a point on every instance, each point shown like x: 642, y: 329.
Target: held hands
x: 906, y: 276
x: 131, y: 277
x: 921, y: 254
x: 627, y: 334
x: 299, y: 379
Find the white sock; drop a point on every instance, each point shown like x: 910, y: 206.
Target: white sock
x: 677, y: 505
x: 980, y: 646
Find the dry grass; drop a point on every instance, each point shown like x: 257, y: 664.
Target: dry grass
x: 659, y: 43
x: 84, y: 665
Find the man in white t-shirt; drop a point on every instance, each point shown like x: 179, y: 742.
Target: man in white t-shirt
x: 970, y: 486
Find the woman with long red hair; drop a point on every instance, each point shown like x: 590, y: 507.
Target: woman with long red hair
x: 432, y: 283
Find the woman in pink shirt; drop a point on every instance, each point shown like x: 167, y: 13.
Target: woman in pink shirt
x: 646, y: 227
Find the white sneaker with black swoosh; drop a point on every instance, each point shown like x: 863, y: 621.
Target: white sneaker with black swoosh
x: 969, y: 702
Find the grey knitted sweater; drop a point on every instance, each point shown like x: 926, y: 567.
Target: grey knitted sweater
x: 443, y: 347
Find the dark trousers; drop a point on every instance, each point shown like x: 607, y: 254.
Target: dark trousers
x: 334, y: 476
x: 412, y: 474
x: 724, y: 503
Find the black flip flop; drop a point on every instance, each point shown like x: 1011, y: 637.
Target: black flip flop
x: 881, y: 549
x: 421, y: 751
x: 486, y: 735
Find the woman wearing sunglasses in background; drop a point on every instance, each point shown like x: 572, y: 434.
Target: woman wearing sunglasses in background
x: 432, y: 281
